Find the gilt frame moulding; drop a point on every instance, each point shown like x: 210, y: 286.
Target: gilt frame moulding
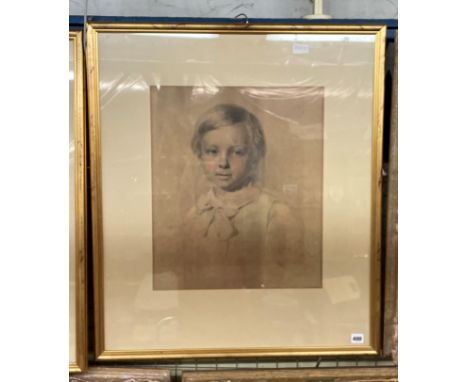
x: 142, y: 312
x: 77, y: 252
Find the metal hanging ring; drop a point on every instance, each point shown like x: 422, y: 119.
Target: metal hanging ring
x: 245, y: 18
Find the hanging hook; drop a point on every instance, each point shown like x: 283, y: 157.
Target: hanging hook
x: 245, y: 18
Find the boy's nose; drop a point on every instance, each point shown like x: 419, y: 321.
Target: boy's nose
x: 223, y: 161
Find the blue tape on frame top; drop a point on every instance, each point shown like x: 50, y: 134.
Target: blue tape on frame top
x: 390, y: 23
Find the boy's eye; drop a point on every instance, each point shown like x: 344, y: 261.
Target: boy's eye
x: 211, y: 151
x: 240, y: 151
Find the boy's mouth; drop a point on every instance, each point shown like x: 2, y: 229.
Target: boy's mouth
x: 223, y: 176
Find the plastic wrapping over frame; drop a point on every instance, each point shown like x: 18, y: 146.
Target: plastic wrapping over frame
x: 98, y: 135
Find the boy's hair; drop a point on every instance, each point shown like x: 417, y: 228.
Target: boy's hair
x: 228, y: 114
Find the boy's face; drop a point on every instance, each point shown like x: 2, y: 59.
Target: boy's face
x: 226, y: 157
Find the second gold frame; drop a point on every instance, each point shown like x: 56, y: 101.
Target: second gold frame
x: 77, y: 276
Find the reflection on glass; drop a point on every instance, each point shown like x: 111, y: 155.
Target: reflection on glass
x: 320, y: 38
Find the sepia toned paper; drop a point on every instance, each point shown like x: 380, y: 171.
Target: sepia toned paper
x: 272, y: 223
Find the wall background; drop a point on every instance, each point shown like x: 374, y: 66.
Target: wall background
x: 338, y: 9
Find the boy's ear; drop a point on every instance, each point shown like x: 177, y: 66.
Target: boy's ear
x: 253, y: 162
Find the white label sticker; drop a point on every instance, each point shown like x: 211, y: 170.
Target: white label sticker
x: 357, y: 338
x: 300, y: 49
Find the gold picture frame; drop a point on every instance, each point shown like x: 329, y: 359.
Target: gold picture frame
x: 347, y: 374
x: 126, y: 60
x: 77, y: 275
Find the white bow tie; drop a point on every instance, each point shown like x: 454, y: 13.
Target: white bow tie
x: 218, y: 214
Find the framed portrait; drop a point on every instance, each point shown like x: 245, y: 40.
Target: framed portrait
x: 236, y: 190
x: 122, y: 374
x: 353, y: 374
x: 77, y: 208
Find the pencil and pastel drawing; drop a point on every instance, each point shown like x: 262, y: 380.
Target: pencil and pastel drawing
x: 238, y: 223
